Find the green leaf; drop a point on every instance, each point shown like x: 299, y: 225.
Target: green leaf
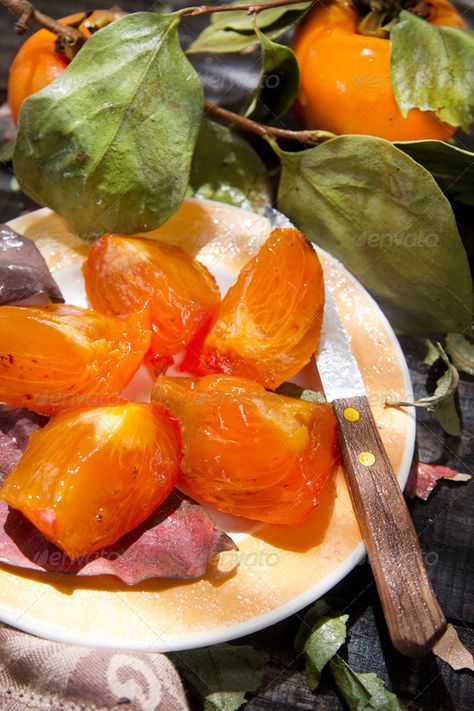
x: 461, y: 352
x: 447, y: 415
x: 432, y: 353
x: 233, y: 31
x: 362, y: 692
x: 319, y: 638
x: 108, y: 145
x: 432, y: 69
x: 278, y: 84
x: 442, y: 402
x: 221, y: 675
x: 226, y: 168
x: 384, y: 217
x: 451, y: 167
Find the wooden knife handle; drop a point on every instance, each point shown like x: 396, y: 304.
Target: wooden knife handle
x: 414, y: 618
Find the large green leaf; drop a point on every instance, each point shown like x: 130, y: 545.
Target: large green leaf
x: 451, y: 167
x: 234, y: 31
x: 226, y: 168
x: 221, y: 675
x: 278, y: 84
x: 432, y: 69
x: 383, y: 215
x: 108, y: 145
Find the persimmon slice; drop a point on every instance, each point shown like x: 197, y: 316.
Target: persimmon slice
x: 123, y: 274
x: 90, y: 476
x: 56, y: 357
x: 268, y: 324
x: 250, y: 452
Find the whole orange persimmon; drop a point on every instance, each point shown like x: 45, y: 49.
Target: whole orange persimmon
x: 250, y: 452
x: 91, y: 476
x: 38, y: 61
x: 345, y: 76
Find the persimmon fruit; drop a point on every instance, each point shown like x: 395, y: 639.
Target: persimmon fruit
x: 56, y: 357
x: 90, y: 476
x: 268, y: 324
x: 345, y: 76
x: 250, y: 452
x: 123, y: 274
x: 38, y: 62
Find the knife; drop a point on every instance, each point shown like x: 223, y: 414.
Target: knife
x: 414, y: 618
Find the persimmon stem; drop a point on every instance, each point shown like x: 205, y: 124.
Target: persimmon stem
x: 250, y: 8
x: 310, y: 138
x: 26, y: 13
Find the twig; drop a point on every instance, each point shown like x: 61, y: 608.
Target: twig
x: 307, y: 137
x: 25, y: 12
x: 251, y: 8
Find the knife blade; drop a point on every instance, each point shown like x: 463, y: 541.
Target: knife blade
x: 413, y: 615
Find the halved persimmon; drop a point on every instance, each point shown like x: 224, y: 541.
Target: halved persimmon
x: 56, y: 357
x: 268, y: 324
x: 123, y: 274
x: 250, y: 452
x: 90, y: 476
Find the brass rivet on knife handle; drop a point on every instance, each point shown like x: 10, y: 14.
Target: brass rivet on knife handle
x: 414, y: 618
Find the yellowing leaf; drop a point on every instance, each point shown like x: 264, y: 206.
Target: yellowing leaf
x: 452, y: 651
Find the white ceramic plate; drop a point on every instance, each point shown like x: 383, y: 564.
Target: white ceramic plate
x: 278, y: 570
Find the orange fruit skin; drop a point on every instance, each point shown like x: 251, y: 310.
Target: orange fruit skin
x: 56, y: 357
x: 268, y: 325
x: 345, y: 77
x: 37, y: 63
x: 90, y: 476
x: 250, y: 452
x: 123, y: 274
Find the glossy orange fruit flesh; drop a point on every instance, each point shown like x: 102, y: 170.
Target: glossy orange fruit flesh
x: 250, y: 452
x: 268, y: 324
x: 90, y: 476
x: 345, y: 76
x: 37, y: 62
x: 123, y: 274
x: 57, y: 356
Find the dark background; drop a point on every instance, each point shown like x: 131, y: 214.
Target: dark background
x: 444, y: 523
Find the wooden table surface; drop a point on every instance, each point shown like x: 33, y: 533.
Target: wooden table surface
x: 445, y: 524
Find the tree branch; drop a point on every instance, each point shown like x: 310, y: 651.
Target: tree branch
x: 251, y: 8
x: 310, y: 138
x: 25, y: 12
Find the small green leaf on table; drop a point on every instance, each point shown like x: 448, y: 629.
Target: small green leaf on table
x: 108, y: 144
x: 442, y: 401
x: 432, y: 353
x: 233, y: 31
x: 319, y: 638
x: 461, y: 352
x: 220, y: 676
x: 431, y: 69
x: 362, y: 692
x: 278, y: 84
x: 450, y: 166
x: 383, y: 215
x: 226, y: 168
